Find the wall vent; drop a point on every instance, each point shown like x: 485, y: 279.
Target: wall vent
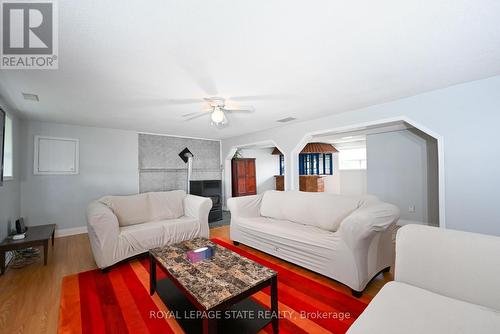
x: 30, y: 97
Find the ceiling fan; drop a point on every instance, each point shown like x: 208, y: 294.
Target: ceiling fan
x: 217, y: 111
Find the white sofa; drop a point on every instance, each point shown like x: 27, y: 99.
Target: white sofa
x: 446, y: 281
x: 347, y: 238
x: 120, y: 227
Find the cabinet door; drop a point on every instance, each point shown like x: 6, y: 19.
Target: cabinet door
x: 241, y: 173
x: 251, y: 182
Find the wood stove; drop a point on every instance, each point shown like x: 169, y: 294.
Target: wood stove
x: 213, y: 190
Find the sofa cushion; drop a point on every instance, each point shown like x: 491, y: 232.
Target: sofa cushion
x: 142, y: 237
x: 402, y: 308
x: 456, y: 264
x: 130, y: 210
x: 288, y: 233
x: 322, y: 210
x: 166, y: 204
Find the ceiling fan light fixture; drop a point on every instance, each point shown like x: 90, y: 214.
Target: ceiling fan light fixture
x: 218, y: 116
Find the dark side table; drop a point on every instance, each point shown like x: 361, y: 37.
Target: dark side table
x: 35, y: 236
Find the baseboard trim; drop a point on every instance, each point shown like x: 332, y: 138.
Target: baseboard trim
x: 64, y: 232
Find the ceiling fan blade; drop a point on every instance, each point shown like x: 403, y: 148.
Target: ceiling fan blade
x: 190, y: 114
x: 200, y: 114
x: 182, y: 101
x: 267, y: 97
x: 245, y: 110
x: 162, y: 102
x: 238, y: 108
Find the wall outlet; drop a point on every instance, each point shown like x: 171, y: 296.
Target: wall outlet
x: 411, y: 208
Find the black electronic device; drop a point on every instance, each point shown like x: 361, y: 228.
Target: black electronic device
x: 20, y: 227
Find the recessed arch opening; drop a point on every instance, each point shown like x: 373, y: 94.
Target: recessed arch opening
x: 421, y: 188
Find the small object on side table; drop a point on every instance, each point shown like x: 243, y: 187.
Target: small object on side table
x: 200, y: 254
x: 35, y: 236
x: 18, y: 236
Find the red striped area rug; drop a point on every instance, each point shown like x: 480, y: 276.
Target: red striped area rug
x: 119, y: 302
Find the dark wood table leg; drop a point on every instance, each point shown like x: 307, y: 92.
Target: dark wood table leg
x: 152, y: 275
x: 2, y: 262
x: 45, y: 251
x: 209, y: 326
x: 274, y: 304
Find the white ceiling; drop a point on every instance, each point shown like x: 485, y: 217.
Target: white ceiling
x: 124, y: 63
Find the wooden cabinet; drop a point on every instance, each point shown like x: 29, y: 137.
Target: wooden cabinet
x: 311, y: 183
x: 280, y: 182
x: 243, y: 177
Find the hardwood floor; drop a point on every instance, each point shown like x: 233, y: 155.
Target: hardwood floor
x: 29, y: 297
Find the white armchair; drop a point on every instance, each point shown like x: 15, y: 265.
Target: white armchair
x: 446, y: 281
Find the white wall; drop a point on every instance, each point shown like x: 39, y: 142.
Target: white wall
x: 398, y: 170
x: 266, y: 167
x: 353, y: 182
x: 466, y: 116
x: 332, y: 182
x: 10, y: 191
x: 432, y: 181
x: 108, y: 165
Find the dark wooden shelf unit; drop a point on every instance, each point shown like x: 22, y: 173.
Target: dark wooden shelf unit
x: 243, y: 177
x: 311, y: 183
x: 280, y: 182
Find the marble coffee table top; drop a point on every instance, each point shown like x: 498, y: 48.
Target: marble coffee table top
x: 214, y: 280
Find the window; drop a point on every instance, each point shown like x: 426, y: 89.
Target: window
x: 282, y: 164
x: 315, y: 164
x: 354, y: 158
x: 8, y: 168
x: 328, y: 163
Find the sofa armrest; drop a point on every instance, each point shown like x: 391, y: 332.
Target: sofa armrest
x: 245, y: 206
x: 102, y: 224
x: 366, y: 221
x: 365, y: 233
x: 103, y: 230
x: 456, y: 264
x: 198, y: 207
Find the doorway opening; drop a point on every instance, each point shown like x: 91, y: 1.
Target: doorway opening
x: 253, y: 169
x: 396, y: 161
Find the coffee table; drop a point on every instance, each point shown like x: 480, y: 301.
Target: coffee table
x: 35, y: 236
x: 215, y: 284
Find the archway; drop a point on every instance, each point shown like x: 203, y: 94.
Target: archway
x: 268, y: 166
x: 432, y: 207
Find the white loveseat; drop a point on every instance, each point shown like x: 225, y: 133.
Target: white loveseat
x: 346, y: 238
x: 446, y: 282
x: 120, y: 227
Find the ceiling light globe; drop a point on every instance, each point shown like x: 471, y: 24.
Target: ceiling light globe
x: 218, y: 115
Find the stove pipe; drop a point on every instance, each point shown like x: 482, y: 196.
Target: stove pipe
x: 189, y: 157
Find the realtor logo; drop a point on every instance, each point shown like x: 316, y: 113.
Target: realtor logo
x: 29, y: 35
